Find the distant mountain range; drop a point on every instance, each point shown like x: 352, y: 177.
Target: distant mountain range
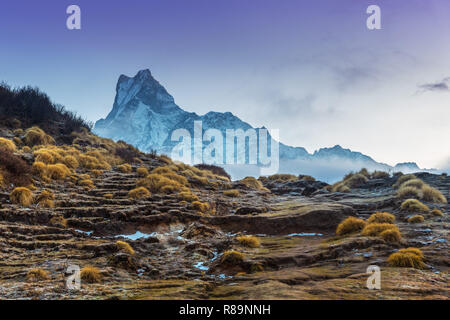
x: 144, y: 114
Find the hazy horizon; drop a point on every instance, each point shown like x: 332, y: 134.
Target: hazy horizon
x: 311, y: 69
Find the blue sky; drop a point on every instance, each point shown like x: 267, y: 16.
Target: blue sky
x: 310, y: 68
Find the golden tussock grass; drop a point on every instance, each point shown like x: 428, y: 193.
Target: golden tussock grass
x: 232, y: 193
x: 403, y: 178
x: 381, y: 217
x: 36, y: 136
x: 188, y: 196
x: 8, y: 144
x: 87, y: 184
x: 391, y: 235
x: 350, y: 225
x: 91, y: 274
x: 252, y: 183
x: 139, y: 193
x: 71, y: 162
x: 356, y: 180
x: 125, y: 247
x: 414, y: 205
x: 37, y: 275
x: 142, y: 172
x: 379, y: 175
x: 46, y: 203
x: 57, y: 171
x: 40, y: 169
x: 416, y: 219
x: 282, y: 177
x: 375, y: 229
x: 22, y: 196
x: 437, y: 213
x: 232, y: 257
x: 409, y: 193
x: 97, y: 173
x: 203, y: 207
x: 339, y: 187
x: 157, y: 183
x: 26, y: 149
x: 431, y: 194
x: 416, y: 183
x: 125, y: 168
x: 58, y: 220
x: 249, y: 241
x: 407, y: 258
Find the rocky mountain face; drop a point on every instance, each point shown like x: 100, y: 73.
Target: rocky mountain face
x: 145, y: 115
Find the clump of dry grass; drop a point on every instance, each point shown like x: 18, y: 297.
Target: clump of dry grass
x: 356, y: 180
x: 414, y: 205
x: 125, y: 168
x: 375, y: 229
x: 249, y: 241
x: 142, y: 172
x: 96, y: 173
x: 203, y: 207
x: 403, y: 178
x: 125, y: 247
x: 40, y: 169
x: 36, y: 136
x: 391, y: 235
x: 25, y: 149
x: 22, y: 196
x: 282, y: 177
x: 87, y: 184
x: 232, y: 193
x: 58, y: 221
x: 416, y: 188
x: 91, y: 274
x: 8, y: 144
x: 340, y: 187
x: 381, y: 217
x: 407, y: 258
x: 416, y: 183
x: 37, y: 275
x: 45, y: 199
x: 139, y: 193
x: 232, y: 257
x: 437, y: 213
x: 158, y: 183
x: 350, y: 225
x: 253, y: 183
x: 416, y: 219
x: 57, y: 171
x: 431, y: 194
x: 71, y: 162
x: 379, y: 175
x: 188, y: 196
x: 409, y: 193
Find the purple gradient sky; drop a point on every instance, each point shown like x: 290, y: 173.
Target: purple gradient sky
x: 310, y: 68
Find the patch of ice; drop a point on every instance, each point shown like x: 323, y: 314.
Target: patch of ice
x: 200, y: 266
x: 137, y: 235
x: 305, y: 234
